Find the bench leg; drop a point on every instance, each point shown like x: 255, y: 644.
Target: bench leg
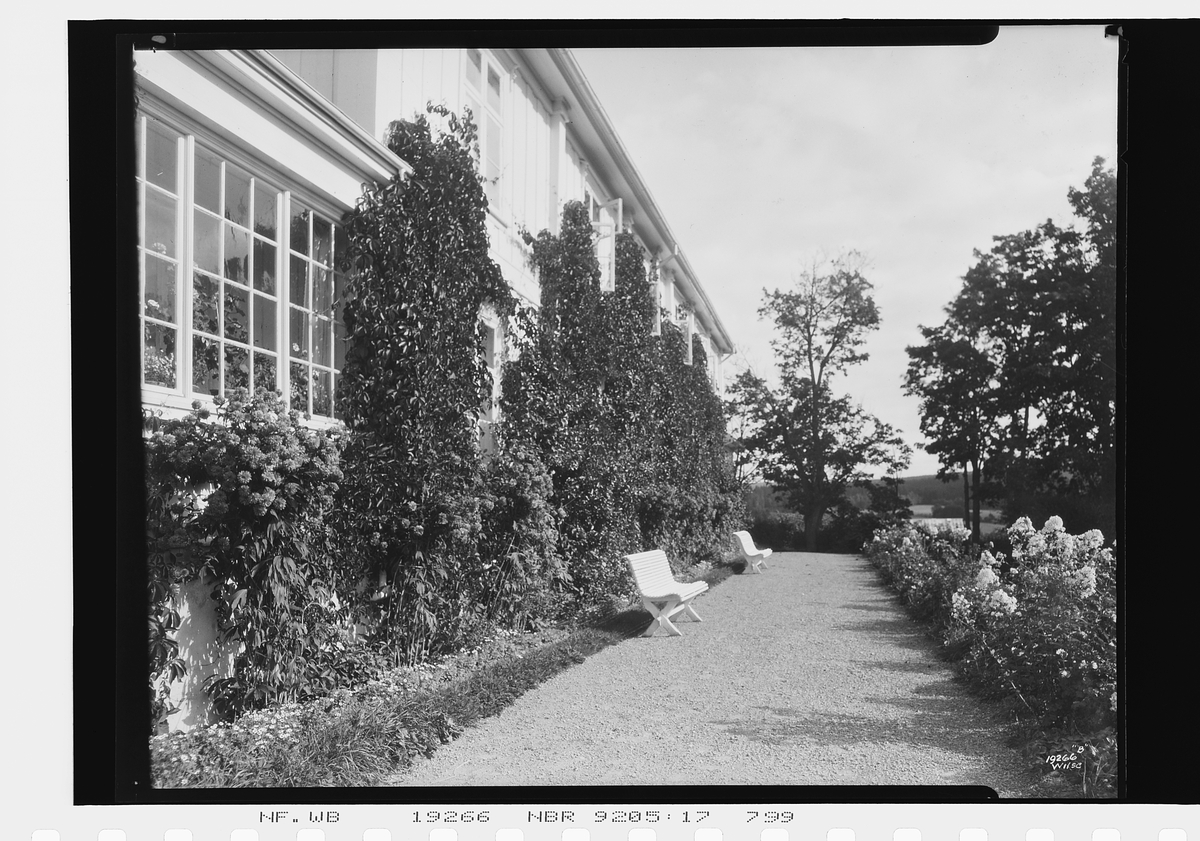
x: 691, y: 611
x: 662, y: 617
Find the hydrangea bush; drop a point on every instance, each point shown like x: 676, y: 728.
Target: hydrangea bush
x: 925, y: 564
x: 237, y: 498
x: 1037, y: 626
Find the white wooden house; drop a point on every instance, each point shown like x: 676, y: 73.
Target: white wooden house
x: 247, y: 160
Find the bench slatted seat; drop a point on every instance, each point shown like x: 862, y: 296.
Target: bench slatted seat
x: 754, y: 557
x: 661, y: 594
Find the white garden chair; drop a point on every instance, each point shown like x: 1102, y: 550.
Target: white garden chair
x: 754, y: 557
x: 661, y: 594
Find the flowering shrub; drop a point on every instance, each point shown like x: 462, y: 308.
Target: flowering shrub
x: 1038, y: 626
x: 238, y: 500
x: 925, y: 563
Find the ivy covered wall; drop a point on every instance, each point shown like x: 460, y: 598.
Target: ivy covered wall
x: 399, y: 524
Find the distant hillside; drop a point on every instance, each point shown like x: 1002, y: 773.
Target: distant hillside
x: 919, y: 490
x: 930, y: 490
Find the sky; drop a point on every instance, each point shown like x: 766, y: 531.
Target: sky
x: 764, y: 159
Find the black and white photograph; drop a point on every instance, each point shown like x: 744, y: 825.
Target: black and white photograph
x: 732, y: 415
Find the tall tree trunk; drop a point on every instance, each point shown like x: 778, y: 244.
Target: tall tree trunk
x: 812, y: 524
x: 966, y: 499
x: 975, y: 528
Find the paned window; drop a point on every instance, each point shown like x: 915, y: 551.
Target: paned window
x: 235, y: 271
x: 483, y: 95
x: 240, y: 280
x: 490, y: 339
x: 606, y: 223
x: 318, y: 260
x: 160, y: 185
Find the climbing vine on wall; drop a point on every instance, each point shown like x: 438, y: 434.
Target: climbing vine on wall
x: 609, y: 443
x: 633, y: 437
x: 413, y: 386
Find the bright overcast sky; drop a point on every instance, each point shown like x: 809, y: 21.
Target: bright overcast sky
x: 762, y: 157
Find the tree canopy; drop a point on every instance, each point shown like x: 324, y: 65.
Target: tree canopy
x: 810, y: 444
x: 1019, y: 382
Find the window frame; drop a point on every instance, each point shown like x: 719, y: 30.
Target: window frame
x: 497, y: 203
x: 193, y: 139
x: 489, y: 416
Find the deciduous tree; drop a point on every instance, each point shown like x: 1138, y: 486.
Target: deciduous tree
x: 810, y: 444
x: 1037, y: 389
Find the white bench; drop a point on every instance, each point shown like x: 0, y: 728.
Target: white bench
x: 754, y: 557
x: 661, y: 594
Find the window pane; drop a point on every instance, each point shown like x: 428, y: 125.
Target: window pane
x: 237, y: 368
x: 237, y: 313
x: 237, y: 196
x: 160, y: 223
x: 339, y: 295
x: 266, y: 373
x: 237, y: 254
x: 474, y: 68
x: 322, y: 394
x: 159, y: 300
x: 341, y: 249
x: 137, y: 147
x: 493, y: 148
x: 322, y: 338
x: 299, y: 399
x: 322, y: 288
x: 298, y: 281
x: 339, y: 346
x: 158, y: 364
x: 208, y: 180
x: 298, y: 333
x: 206, y: 370
x: 493, y: 92
x: 264, y: 323
x: 162, y: 156
x: 299, y: 229
x: 207, y: 250
x: 264, y: 266
x: 264, y: 210
x: 322, y: 241
x: 205, y: 315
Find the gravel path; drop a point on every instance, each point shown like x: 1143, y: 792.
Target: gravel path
x: 808, y: 674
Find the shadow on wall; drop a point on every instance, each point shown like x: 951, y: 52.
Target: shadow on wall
x: 202, y: 652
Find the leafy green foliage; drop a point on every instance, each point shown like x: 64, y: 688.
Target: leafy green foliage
x: 632, y: 436
x: 1020, y: 380
x: 260, y: 539
x: 412, y: 388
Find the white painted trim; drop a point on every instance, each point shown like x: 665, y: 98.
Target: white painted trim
x: 267, y: 116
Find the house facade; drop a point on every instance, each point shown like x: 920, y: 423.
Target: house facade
x: 247, y: 160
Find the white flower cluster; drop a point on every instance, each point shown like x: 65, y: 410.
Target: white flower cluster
x: 986, y: 578
x: 961, y: 608
x: 1083, y: 581
x: 1001, y: 602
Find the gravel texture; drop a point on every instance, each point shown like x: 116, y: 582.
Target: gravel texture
x: 809, y: 674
